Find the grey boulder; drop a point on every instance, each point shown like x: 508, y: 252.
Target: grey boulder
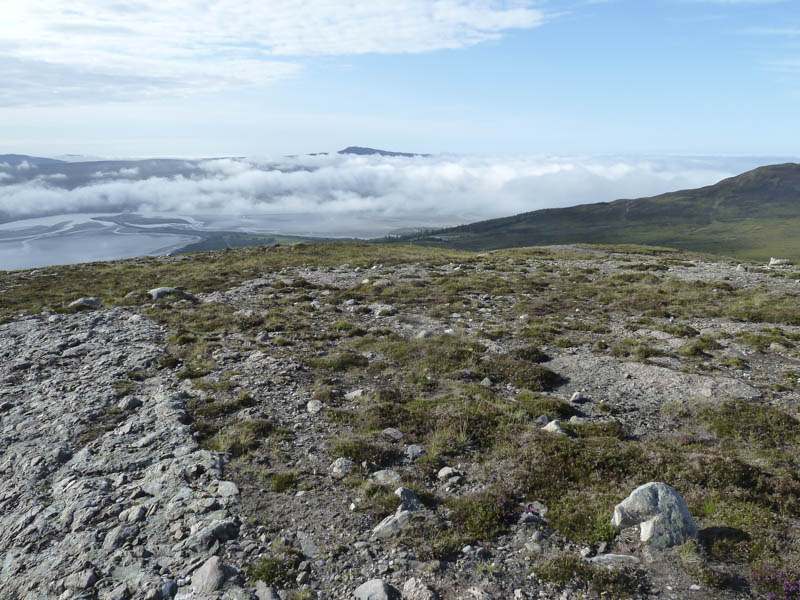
x: 209, y: 577
x: 119, y: 535
x: 408, y: 499
x: 660, y: 511
x: 83, y: 580
x: 392, y: 524
x: 161, y: 292
x: 376, y: 589
x: 415, y: 589
x: 554, y: 427
x: 265, y: 592
x: 87, y: 302
x: 341, y: 467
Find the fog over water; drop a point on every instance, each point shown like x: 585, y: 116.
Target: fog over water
x: 47, y: 207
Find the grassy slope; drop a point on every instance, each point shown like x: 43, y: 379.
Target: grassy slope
x: 55, y: 287
x: 742, y: 480
x: 754, y: 215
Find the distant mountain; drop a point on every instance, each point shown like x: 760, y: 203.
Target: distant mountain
x: 754, y: 215
x: 374, y: 151
x: 78, y: 158
x: 18, y: 159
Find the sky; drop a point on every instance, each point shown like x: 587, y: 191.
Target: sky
x: 211, y: 78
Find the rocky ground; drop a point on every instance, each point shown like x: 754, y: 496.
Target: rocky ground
x: 313, y: 429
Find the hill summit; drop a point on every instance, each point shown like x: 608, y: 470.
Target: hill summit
x: 375, y: 152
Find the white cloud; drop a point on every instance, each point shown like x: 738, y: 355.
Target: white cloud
x: 439, y: 189
x: 129, y: 172
x: 52, y: 51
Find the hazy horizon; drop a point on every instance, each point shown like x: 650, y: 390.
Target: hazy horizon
x: 47, y: 210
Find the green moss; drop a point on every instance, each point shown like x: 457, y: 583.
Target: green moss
x: 198, y: 272
x: 183, y: 338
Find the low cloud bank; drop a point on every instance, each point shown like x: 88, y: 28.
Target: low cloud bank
x: 454, y: 189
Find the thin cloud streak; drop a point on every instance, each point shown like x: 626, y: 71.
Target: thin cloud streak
x: 51, y: 52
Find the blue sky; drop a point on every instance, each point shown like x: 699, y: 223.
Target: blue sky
x: 212, y: 78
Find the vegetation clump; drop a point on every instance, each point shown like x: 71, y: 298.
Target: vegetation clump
x: 521, y: 373
x: 362, y: 448
x: 756, y: 423
x: 484, y: 515
x: 284, y: 482
x: 274, y: 570
x: 566, y: 570
x: 239, y: 438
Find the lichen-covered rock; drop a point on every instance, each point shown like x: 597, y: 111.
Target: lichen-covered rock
x: 662, y: 513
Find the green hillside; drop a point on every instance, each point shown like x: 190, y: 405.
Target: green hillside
x: 754, y: 215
